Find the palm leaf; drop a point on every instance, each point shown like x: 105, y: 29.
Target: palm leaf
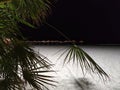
x: 76, y: 54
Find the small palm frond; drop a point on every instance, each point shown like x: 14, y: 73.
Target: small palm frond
x: 76, y: 54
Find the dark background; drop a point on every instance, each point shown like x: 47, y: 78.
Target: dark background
x: 92, y: 21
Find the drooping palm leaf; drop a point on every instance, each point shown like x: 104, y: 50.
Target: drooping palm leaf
x: 76, y: 54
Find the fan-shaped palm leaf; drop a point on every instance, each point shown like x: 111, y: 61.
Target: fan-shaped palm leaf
x: 76, y: 54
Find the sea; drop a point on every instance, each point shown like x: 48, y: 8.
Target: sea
x: 69, y: 76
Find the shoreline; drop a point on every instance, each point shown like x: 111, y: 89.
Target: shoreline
x: 68, y: 42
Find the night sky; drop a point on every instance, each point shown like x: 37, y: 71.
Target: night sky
x: 92, y: 21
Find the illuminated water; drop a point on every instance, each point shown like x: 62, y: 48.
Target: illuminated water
x: 108, y: 57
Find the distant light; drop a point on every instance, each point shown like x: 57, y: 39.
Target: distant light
x: 81, y: 41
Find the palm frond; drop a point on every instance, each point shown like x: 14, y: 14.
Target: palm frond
x: 76, y: 54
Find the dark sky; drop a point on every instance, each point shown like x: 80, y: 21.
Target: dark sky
x: 93, y: 21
